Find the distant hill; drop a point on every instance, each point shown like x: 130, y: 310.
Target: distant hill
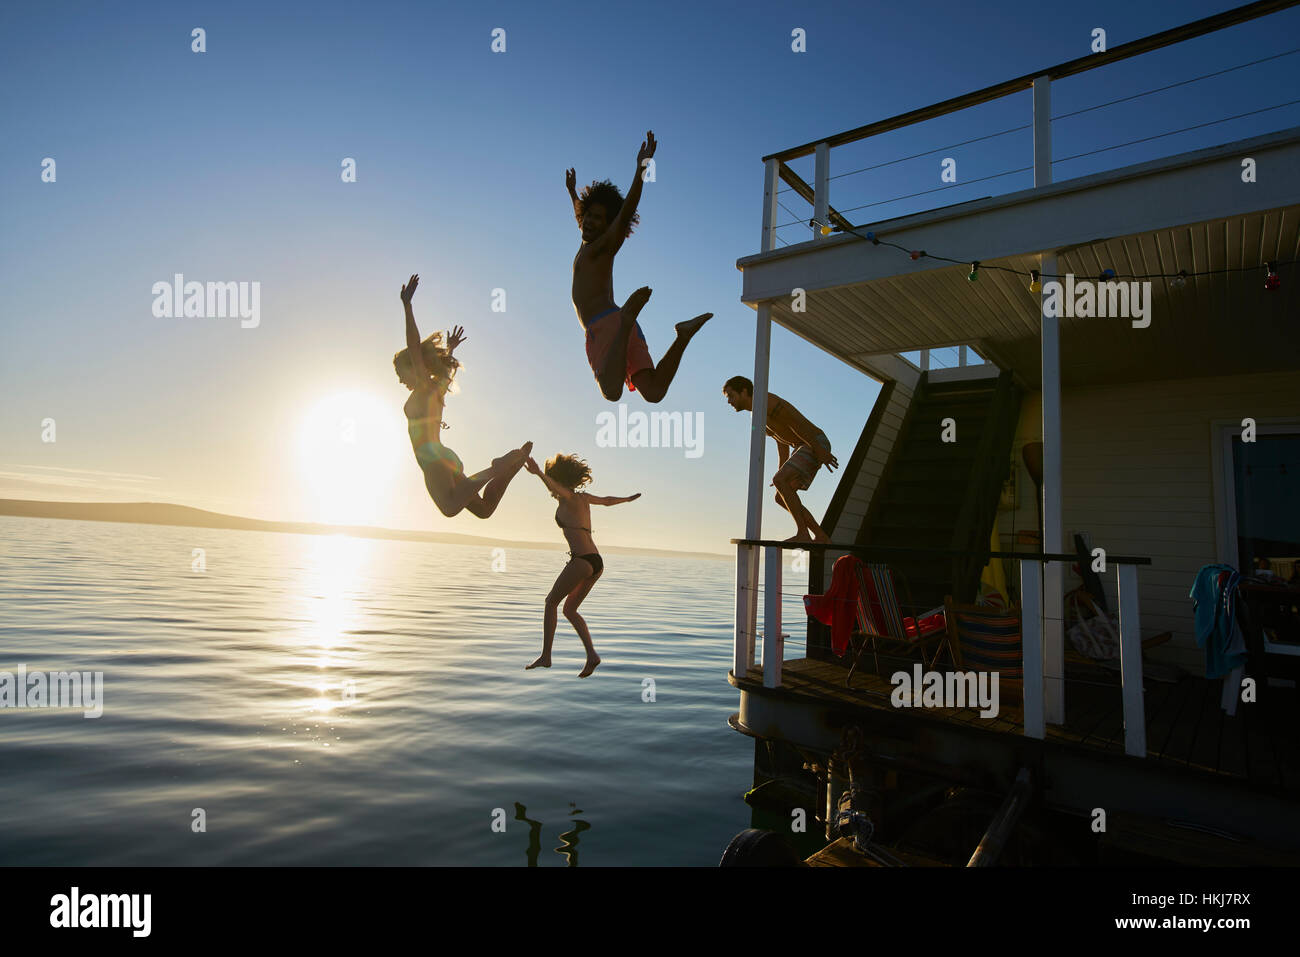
x: 158, y: 513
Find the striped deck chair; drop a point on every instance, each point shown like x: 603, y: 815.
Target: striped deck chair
x: 880, y: 619
x: 984, y: 638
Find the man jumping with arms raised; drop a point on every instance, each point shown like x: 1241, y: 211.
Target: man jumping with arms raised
x: 616, y: 346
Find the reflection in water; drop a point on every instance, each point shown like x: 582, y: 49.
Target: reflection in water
x: 328, y: 589
x: 568, y: 849
x: 223, y: 689
x: 534, y: 833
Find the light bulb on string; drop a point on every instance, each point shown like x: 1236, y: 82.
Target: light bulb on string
x: 1180, y: 281
x: 974, y: 271
x: 1035, y: 282
x: 1272, y: 280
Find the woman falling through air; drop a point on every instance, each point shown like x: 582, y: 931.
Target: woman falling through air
x: 565, y: 475
x: 427, y: 368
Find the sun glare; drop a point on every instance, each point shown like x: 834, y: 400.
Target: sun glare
x: 349, y: 448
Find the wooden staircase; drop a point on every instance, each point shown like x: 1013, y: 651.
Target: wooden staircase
x: 937, y: 494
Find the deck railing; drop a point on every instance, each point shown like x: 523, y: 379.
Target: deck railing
x: 1042, y: 665
x: 818, y: 194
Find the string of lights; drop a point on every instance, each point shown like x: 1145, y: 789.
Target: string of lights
x: 1272, y: 280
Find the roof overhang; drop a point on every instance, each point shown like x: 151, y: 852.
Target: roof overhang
x: 1190, y: 212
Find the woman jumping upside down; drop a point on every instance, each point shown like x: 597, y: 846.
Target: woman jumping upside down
x: 427, y: 368
x: 564, y: 476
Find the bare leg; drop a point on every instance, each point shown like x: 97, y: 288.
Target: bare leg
x: 612, y: 375
x: 570, y: 578
x: 487, y: 503
x: 806, y: 527
x: 653, y: 383
x: 580, y: 624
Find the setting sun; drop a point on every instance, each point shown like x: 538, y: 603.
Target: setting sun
x: 349, y: 448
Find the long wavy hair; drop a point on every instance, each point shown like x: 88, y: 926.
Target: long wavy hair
x: 442, y: 365
x: 569, y: 470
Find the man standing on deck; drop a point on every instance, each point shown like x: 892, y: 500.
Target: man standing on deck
x: 812, y: 450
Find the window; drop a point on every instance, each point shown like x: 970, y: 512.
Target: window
x: 1266, y: 489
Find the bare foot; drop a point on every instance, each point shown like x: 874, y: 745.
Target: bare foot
x: 635, y: 303
x: 514, y: 460
x: 592, y: 661
x: 543, y: 662
x: 689, y: 327
x: 801, y: 537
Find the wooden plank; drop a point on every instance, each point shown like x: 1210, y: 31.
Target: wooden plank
x: 1204, y: 750
x: 1162, y: 706
x: 1234, y: 747
x: 1143, y: 835
x: 1185, y: 697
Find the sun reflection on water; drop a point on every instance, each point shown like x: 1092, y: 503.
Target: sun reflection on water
x: 329, y: 594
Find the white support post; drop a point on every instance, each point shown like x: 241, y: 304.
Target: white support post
x: 1231, y: 689
x: 747, y: 556
x: 1053, y: 522
x: 771, y: 182
x: 961, y: 356
x: 925, y: 360
x: 743, y: 655
x: 1031, y: 643
x: 821, y: 188
x: 1042, y: 130
x: 757, y: 446
x: 773, y: 644
x: 1130, y: 663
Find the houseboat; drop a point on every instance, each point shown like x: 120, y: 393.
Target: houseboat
x: 1049, y: 461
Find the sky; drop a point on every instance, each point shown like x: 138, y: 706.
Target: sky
x: 225, y: 166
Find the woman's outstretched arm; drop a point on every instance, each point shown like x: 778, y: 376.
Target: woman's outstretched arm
x: 555, y: 487
x: 412, y: 333
x: 611, y: 499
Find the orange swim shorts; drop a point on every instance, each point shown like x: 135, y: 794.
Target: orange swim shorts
x: 602, y: 333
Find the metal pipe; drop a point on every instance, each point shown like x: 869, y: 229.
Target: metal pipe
x: 1004, y: 822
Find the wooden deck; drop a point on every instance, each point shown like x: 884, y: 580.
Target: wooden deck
x: 1258, y: 748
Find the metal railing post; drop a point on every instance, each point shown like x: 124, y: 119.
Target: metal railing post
x: 773, y: 644
x: 1130, y: 662
x: 1031, y: 643
x: 743, y: 651
x: 821, y: 188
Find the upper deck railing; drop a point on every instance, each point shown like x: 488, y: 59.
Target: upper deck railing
x: 825, y: 217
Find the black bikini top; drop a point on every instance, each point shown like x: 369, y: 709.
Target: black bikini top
x: 578, y: 528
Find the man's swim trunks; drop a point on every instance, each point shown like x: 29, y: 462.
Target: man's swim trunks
x: 802, y: 465
x: 602, y: 333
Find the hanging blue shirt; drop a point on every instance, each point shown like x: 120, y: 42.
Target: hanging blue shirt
x: 1216, y: 624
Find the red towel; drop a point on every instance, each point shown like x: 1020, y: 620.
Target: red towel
x: 839, y: 606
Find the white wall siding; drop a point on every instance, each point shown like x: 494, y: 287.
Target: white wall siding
x: 1138, y: 478
x: 873, y: 465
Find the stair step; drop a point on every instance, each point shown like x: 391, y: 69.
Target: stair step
x: 962, y: 387
x: 899, y: 502
x: 894, y: 537
x: 955, y: 400
x: 923, y: 474
x: 916, y: 451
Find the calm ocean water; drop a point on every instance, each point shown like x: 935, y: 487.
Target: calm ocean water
x: 328, y: 700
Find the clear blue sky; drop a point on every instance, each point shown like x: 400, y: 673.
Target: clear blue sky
x: 225, y: 166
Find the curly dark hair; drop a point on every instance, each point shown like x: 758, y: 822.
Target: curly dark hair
x: 442, y: 365
x: 605, y: 193
x: 569, y: 470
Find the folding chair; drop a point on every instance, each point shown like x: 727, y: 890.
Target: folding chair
x: 880, y: 619
x: 983, y: 638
